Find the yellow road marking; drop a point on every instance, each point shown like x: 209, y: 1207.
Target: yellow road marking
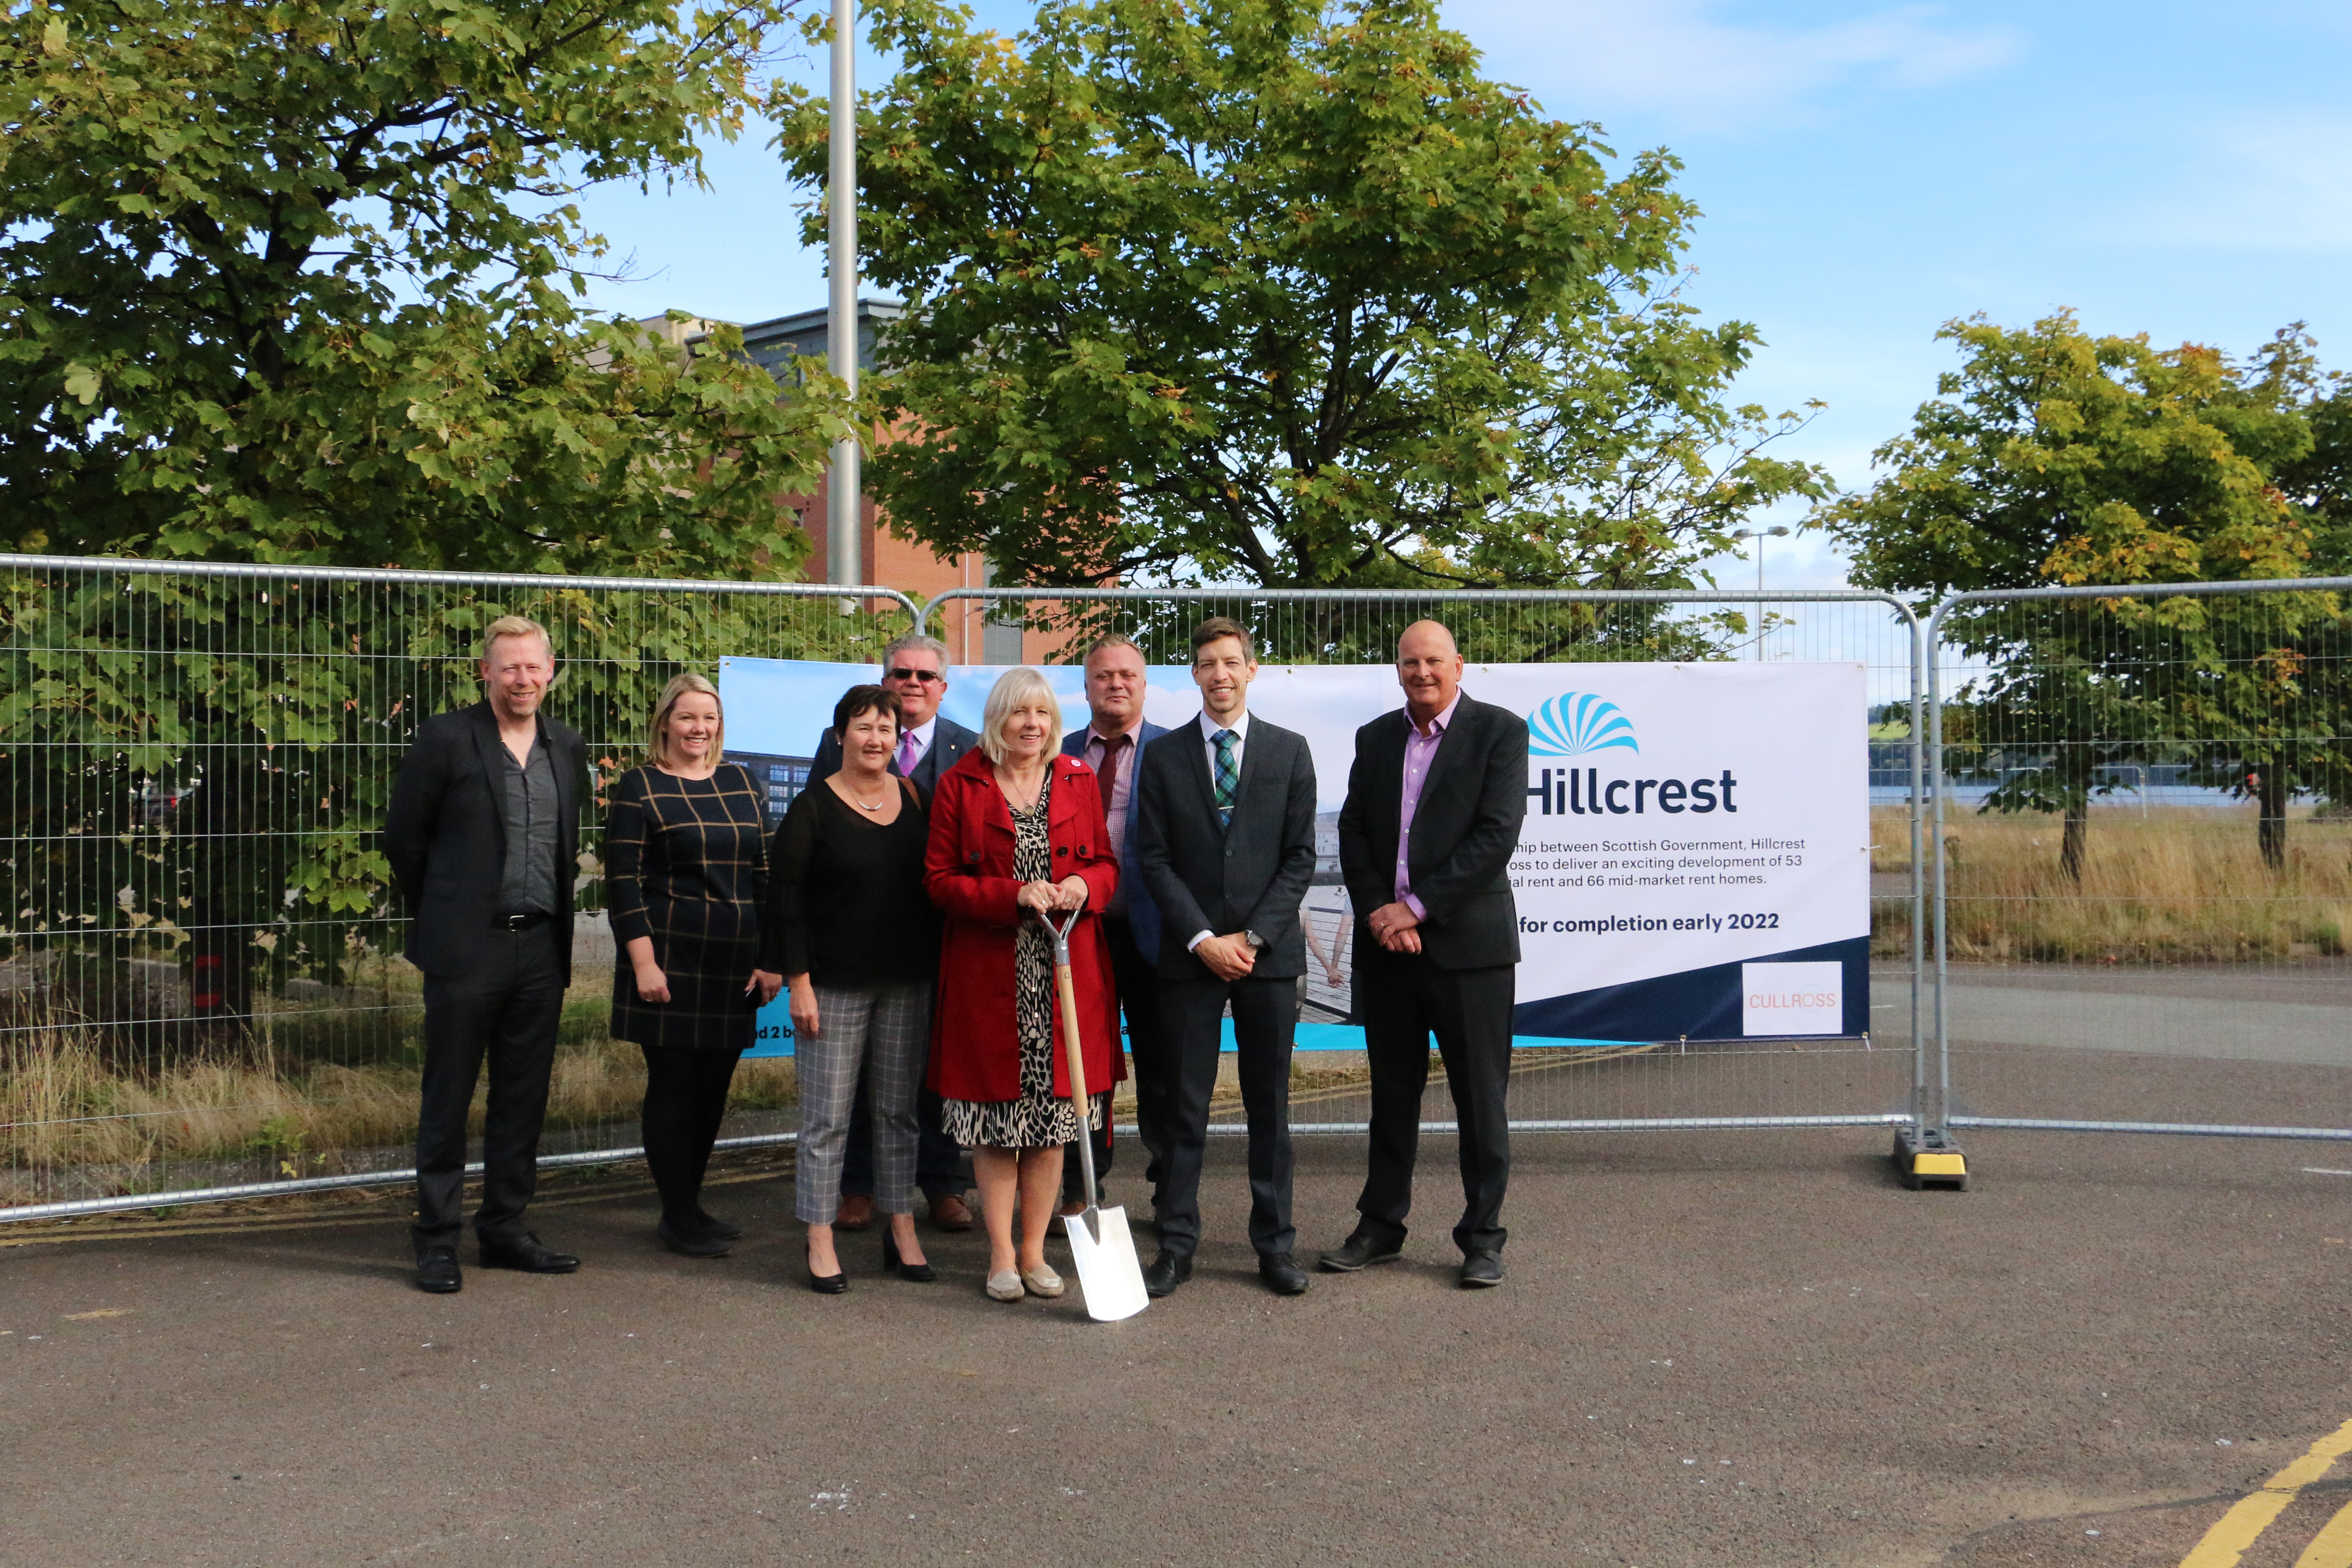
x: 2332, y: 1547
x: 2251, y: 1514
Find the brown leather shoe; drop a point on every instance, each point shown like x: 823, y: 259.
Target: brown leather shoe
x: 949, y: 1212
x: 856, y: 1212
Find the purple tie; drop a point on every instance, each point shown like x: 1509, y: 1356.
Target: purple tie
x: 908, y: 756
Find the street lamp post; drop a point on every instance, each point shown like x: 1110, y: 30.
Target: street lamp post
x: 843, y: 515
x: 1759, y: 535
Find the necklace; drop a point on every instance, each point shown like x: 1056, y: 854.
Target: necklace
x: 877, y: 807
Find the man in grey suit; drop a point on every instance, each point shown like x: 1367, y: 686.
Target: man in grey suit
x: 1112, y: 743
x: 915, y: 669
x: 1225, y: 841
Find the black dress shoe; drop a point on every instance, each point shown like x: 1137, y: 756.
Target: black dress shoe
x: 1282, y: 1277
x: 1480, y: 1268
x: 437, y: 1272
x: 717, y: 1229
x: 829, y: 1284
x: 528, y: 1253
x: 1360, y: 1251
x: 1167, y: 1271
x: 694, y: 1243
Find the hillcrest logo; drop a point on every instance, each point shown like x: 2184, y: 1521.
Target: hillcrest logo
x: 1578, y: 723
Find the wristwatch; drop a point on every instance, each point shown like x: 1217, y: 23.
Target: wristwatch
x: 1252, y: 938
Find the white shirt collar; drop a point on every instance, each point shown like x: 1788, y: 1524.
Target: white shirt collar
x: 922, y: 732
x: 1240, y: 727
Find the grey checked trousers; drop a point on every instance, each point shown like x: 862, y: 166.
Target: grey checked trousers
x: 884, y: 1032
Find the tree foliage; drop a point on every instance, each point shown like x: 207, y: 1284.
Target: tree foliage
x: 2056, y: 457
x: 1285, y: 293
x: 298, y: 280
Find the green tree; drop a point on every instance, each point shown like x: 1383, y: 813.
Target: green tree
x: 2052, y: 457
x: 298, y: 280
x: 1283, y: 292
x: 301, y: 281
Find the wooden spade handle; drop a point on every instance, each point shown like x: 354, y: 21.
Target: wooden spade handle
x: 1078, y: 1096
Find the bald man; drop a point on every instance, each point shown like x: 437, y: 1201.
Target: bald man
x: 1432, y: 818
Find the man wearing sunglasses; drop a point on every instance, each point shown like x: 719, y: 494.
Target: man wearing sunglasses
x: 915, y: 669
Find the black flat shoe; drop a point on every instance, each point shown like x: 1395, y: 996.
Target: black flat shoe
x: 704, y: 1244
x: 528, y: 1253
x: 437, y: 1272
x: 828, y: 1284
x: 1360, y: 1251
x: 920, y: 1273
x: 717, y: 1229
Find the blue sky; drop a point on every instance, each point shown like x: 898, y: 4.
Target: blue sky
x: 1867, y: 172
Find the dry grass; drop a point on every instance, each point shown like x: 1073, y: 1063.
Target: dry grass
x: 2186, y: 885
x: 68, y: 1101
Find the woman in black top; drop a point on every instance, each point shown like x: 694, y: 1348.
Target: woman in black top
x: 860, y: 945
x: 686, y: 873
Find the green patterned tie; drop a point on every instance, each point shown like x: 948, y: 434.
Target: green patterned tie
x: 1228, y: 777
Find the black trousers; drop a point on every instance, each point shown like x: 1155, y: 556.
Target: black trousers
x: 1404, y: 999
x: 686, y: 1099
x: 1265, y: 1014
x: 1137, y: 981
x: 938, y: 1161
x: 505, y: 1010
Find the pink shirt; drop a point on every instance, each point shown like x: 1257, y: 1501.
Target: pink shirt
x: 1115, y: 808
x: 1420, y: 752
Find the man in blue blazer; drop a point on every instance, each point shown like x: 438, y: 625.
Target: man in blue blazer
x: 1111, y: 742
x: 1226, y: 839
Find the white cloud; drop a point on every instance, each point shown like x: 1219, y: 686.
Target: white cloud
x: 2276, y: 183
x: 1680, y: 57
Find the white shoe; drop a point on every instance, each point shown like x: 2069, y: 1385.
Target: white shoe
x: 1039, y: 1281
x: 1005, y: 1286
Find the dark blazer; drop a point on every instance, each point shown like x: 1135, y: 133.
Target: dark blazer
x: 446, y: 835
x: 950, y: 742
x: 1142, y: 914
x: 1248, y: 876
x: 1464, y: 831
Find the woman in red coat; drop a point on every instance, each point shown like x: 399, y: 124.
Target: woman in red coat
x: 1017, y: 830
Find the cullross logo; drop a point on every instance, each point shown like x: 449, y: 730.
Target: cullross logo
x: 1577, y: 724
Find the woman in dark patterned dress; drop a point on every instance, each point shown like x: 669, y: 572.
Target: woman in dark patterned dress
x: 1018, y: 831
x: 686, y: 874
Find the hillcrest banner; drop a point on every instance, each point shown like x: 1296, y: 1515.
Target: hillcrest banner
x: 1694, y: 861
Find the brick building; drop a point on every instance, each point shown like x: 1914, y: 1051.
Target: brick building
x: 890, y: 562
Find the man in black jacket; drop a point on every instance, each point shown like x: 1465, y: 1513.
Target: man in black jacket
x: 1225, y: 841
x: 482, y: 834
x: 914, y: 668
x: 1435, y: 802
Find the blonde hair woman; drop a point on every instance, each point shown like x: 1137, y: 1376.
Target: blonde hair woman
x: 1017, y: 832
x: 685, y: 875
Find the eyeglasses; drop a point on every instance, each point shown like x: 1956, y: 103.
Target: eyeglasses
x: 901, y: 672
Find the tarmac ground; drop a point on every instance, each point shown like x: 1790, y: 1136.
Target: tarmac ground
x: 1713, y: 1348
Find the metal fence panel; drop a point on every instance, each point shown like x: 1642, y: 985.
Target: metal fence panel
x: 198, y: 986
x: 2144, y: 859
x: 1666, y: 1085
x: 198, y: 991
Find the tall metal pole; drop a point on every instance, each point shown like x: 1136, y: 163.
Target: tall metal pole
x: 845, y: 543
